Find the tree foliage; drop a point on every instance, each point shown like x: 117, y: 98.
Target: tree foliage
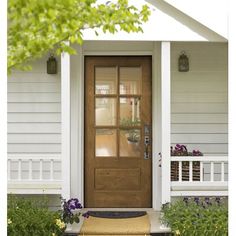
x: 38, y: 26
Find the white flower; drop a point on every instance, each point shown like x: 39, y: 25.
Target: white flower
x: 60, y: 224
x: 9, y: 221
x: 177, y: 232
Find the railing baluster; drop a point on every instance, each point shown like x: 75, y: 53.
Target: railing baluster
x: 30, y: 169
x: 222, y: 171
x: 19, y: 169
x: 201, y: 171
x: 51, y: 169
x: 212, y: 171
x: 8, y: 169
x: 40, y: 169
x: 190, y: 171
x: 180, y: 171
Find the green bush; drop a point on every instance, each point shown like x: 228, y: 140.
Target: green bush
x: 32, y: 218
x: 196, y: 217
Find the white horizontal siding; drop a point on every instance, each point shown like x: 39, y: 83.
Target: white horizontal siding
x: 34, y: 97
x: 41, y: 147
x: 34, y: 111
x: 22, y: 128
x: 189, y: 97
x: 198, y: 118
x: 199, y: 138
x: 199, y: 100
x: 33, y: 77
x: 23, y: 87
x: 35, y: 117
x: 198, y: 86
x: 196, y: 107
x: 199, y: 128
x: 34, y: 107
x: 33, y: 138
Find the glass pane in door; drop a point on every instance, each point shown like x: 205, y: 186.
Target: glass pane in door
x: 106, y: 140
x: 130, y: 80
x: 105, y: 80
x: 130, y: 111
x: 130, y: 143
x: 105, y: 111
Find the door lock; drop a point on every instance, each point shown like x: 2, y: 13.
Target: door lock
x: 146, y: 140
x: 146, y: 147
x: 146, y: 155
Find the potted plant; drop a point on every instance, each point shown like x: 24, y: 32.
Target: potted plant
x: 181, y: 150
x: 132, y: 135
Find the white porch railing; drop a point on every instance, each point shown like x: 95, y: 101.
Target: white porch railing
x: 211, y: 182
x: 34, y: 174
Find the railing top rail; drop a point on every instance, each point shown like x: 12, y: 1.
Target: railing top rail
x: 34, y: 156
x: 199, y: 184
x: 200, y: 158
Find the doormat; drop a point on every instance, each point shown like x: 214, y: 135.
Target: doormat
x: 117, y: 214
x: 135, y: 226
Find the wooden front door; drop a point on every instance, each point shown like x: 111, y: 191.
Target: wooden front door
x: 118, y: 119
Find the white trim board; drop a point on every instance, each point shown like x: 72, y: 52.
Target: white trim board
x: 77, y: 124
x: 77, y: 116
x: 165, y: 120
x: 65, y: 125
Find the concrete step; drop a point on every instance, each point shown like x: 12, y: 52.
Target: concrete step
x: 154, y: 216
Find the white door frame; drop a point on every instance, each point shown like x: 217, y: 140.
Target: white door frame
x: 77, y: 118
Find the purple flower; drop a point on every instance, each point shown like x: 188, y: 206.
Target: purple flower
x: 86, y: 215
x: 197, y: 153
x: 185, y: 200
x: 73, y: 204
x: 207, y: 201
x: 218, y: 200
x: 67, y: 213
x: 197, y: 200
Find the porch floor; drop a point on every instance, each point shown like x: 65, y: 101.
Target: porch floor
x: 154, y: 217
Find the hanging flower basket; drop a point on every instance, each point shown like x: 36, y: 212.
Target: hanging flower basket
x: 181, y: 150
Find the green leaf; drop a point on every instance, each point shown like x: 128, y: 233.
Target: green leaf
x: 35, y: 27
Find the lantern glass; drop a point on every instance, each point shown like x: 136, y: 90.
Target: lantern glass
x: 183, y: 63
x: 51, y: 65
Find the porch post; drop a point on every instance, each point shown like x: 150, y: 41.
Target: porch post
x: 165, y: 119
x: 65, y: 124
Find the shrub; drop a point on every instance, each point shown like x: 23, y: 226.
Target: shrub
x: 196, y: 217
x: 29, y: 217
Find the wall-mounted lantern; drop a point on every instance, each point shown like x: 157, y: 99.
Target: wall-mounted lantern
x: 51, y: 65
x: 183, y: 62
